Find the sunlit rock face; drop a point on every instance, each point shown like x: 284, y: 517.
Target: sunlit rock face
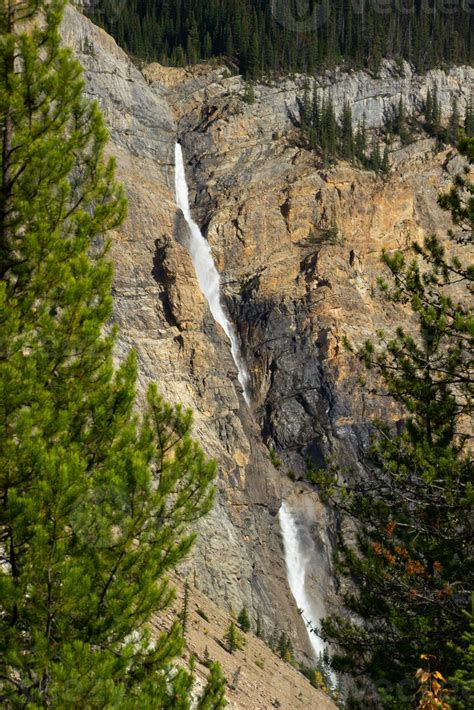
x: 297, y: 245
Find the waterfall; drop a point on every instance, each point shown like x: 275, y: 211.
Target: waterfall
x: 206, y: 272
x: 297, y: 559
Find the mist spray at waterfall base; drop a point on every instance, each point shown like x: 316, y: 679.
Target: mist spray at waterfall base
x: 206, y: 272
x: 297, y: 560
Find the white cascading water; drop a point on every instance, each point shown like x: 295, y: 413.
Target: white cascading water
x: 297, y: 559
x: 206, y: 272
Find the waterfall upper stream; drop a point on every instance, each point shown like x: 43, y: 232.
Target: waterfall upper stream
x: 206, y: 272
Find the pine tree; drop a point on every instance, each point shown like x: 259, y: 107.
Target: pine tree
x: 454, y: 122
x: 328, y: 129
x: 428, y: 111
x: 155, y: 29
x: 400, y: 124
x: 96, y: 500
x: 185, y: 609
x: 253, y: 61
x: 347, y: 135
x: 231, y: 638
x: 385, y: 164
x: 249, y: 94
x: 375, y: 160
x: 469, y: 120
x: 412, y: 568
x: 305, y: 110
x: 463, y: 678
x: 315, y: 129
x: 213, y: 697
x: 361, y: 141
x: 285, y: 648
x: 436, y: 128
x: 243, y: 620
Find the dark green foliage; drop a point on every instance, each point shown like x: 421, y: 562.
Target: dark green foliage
x: 454, y: 124
x: 400, y: 125
x: 385, y: 164
x: 328, y: 129
x: 243, y: 620
x: 413, y: 569
x: 233, y: 639
x: 285, y: 648
x: 324, y: 134
x: 460, y: 199
x: 463, y: 678
x: 213, y: 697
x: 260, y: 35
x: 432, y: 113
x: 375, y: 159
x: 361, y: 141
x: 97, y: 501
x: 184, y: 617
x: 469, y: 120
x: 249, y: 95
x: 347, y: 146
x: 396, y: 121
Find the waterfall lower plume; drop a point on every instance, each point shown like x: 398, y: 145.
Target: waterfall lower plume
x: 297, y: 559
x: 206, y: 272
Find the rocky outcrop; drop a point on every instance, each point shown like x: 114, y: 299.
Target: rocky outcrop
x: 369, y: 95
x: 298, y: 246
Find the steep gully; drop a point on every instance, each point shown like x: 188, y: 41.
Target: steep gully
x: 297, y: 556
x: 206, y: 272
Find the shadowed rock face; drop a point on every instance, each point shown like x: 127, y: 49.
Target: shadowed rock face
x: 298, y: 247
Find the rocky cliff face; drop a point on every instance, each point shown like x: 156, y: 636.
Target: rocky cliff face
x: 298, y: 246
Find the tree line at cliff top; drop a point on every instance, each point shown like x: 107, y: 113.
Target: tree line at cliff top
x: 264, y: 37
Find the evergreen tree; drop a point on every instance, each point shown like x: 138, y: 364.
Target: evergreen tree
x: 328, y: 129
x: 213, y: 697
x: 361, y: 141
x: 96, y: 501
x: 375, y: 160
x: 413, y: 565
x: 315, y: 129
x: 246, y: 32
x: 249, y: 95
x: 347, y: 135
x: 285, y: 648
x: 185, y: 609
x: 253, y: 60
x: 231, y: 637
x: 469, y: 120
x: 433, y: 113
x: 428, y: 110
x: 385, y: 164
x: 243, y: 620
x: 305, y: 110
x: 463, y: 678
x: 400, y: 123
x: 454, y: 122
